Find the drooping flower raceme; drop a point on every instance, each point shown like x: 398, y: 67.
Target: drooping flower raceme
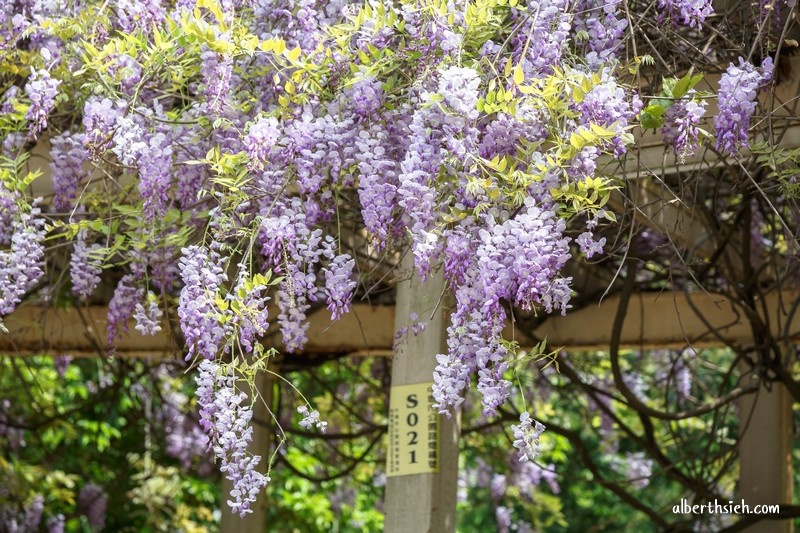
x: 738, y: 88
x: 516, y: 261
x: 99, y: 119
x: 503, y: 516
x: 121, y: 308
x: 681, y: 125
x: 435, y: 136
x: 8, y: 212
x: 155, y: 175
x: 610, y: 106
x: 252, y: 319
x: 604, y: 28
x: 225, y: 417
x: 85, y: 267
x: 148, y: 319
x: 197, y: 309
x: 42, y: 90
x: 69, y: 155
x: 690, y: 13
x: 339, y: 284
x: 526, y: 437
x: 216, y: 72
x: 21, y: 265
x: 542, y: 36
x: 186, y: 440
x: 377, y: 184
x: 262, y: 136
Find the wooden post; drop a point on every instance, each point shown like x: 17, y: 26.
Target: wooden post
x: 765, y: 453
x: 255, y: 522
x: 420, y: 502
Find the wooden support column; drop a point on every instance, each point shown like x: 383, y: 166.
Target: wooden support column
x: 421, y: 502
x: 765, y: 453
x: 255, y: 522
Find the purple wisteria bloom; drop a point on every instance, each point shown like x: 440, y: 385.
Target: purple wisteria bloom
x: 311, y: 418
x: 542, y: 37
x: 252, y: 319
x: 225, y: 416
x: 681, y: 126
x: 605, y: 25
x: 92, y: 502
x: 121, y: 308
x: 738, y: 88
x: 42, y: 91
x: 690, y: 13
x: 85, y: 267
x: 21, y: 266
x: 197, y: 309
x: 99, y: 120
x: 339, y: 284
x: 588, y: 245
x: 377, y: 184
x: 139, y: 14
x: 365, y: 96
x: 261, y: 137
x: 148, y: 319
x: 67, y: 171
x: 526, y: 437
x: 436, y: 134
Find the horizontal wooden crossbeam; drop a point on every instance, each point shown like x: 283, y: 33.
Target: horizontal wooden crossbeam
x: 672, y: 320
x: 82, y: 331
x: 654, y: 320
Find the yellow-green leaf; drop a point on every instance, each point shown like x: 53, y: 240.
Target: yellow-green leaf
x: 293, y: 54
x: 519, y: 76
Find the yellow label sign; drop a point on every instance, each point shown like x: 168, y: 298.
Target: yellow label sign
x: 413, y: 431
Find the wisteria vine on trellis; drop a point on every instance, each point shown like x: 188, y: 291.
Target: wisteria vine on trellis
x: 205, y: 155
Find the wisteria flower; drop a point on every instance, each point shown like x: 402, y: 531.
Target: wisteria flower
x: 311, y: 418
x: 42, y: 90
x: 738, y: 88
x: 526, y: 437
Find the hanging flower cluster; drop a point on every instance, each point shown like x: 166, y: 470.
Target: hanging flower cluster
x: 738, y: 88
x: 690, y: 13
x: 227, y: 422
x: 682, y: 126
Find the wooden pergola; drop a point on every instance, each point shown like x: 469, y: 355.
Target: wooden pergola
x: 425, y: 501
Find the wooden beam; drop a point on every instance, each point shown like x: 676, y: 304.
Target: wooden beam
x: 668, y: 320
x: 655, y: 320
x: 44, y: 330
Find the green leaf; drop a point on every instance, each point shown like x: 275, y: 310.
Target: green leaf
x: 650, y: 121
x: 685, y: 84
